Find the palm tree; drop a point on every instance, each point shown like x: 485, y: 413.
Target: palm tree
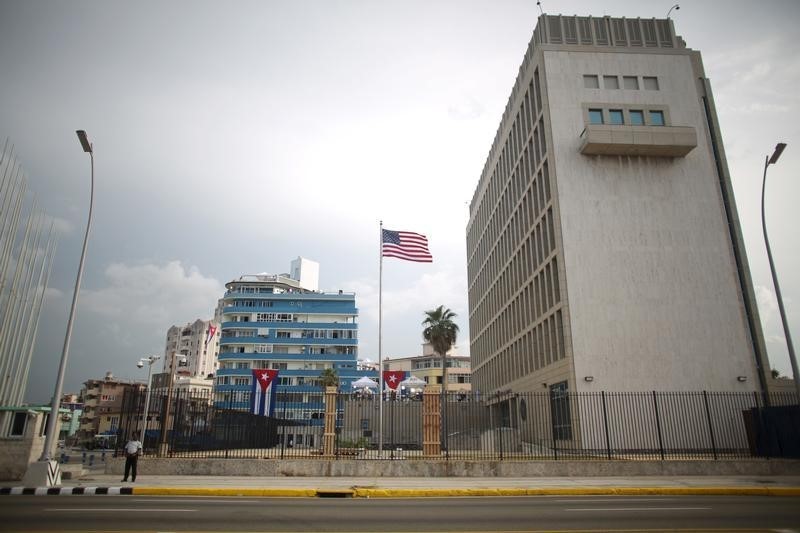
x: 329, y: 378
x: 441, y: 332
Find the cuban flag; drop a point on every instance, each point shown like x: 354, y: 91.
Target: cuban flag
x: 262, y: 393
x: 392, y: 378
x: 210, y: 333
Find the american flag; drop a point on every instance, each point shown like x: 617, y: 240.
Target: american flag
x: 406, y: 245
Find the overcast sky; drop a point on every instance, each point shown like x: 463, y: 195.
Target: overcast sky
x: 232, y: 137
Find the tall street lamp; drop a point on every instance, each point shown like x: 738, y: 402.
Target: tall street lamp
x: 771, y: 160
x: 166, y: 420
x: 50, y: 439
x: 149, y: 362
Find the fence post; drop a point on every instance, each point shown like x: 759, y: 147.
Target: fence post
x: 710, y: 425
x: 431, y: 434
x: 658, y: 426
x: 329, y: 434
x: 283, y: 424
x: 605, y: 423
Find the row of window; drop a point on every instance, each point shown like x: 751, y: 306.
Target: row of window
x: 634, y: 117
x: 631, y: 83
x: 538, y: 348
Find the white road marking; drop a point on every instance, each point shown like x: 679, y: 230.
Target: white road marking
x: 642, y: 509
x: 226, y: 499
x: 614, y: 499
x: 132, y: 509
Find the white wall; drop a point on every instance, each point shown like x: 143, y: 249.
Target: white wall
x: 653, y: 295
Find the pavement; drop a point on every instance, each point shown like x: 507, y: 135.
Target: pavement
x: 398, y: 487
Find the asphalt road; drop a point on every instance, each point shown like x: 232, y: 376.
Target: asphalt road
x: 600, y: 513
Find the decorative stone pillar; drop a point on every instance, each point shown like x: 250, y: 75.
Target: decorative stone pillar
x: 431, y: 422
x: 329, y: 434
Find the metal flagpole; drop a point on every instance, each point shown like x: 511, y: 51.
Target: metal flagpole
x: 380, y: 345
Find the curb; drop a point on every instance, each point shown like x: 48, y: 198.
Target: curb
x: 362, y: 492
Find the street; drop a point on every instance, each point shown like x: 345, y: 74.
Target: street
x: 606, y: 513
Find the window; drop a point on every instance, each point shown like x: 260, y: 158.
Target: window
x: 590, y: 81
x: 630, y: 82
x: 615, y: 116
x: 18, y: 424
x: 650, y: 83
x: 656, y: 118
x: 595, y: 116
x: 610, y: 82
x: 560, y: 411
x: 637, y: 117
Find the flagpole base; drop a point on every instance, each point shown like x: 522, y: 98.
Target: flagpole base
x: 42, y: 474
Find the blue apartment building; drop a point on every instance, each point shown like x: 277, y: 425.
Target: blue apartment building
x: 282, y: 322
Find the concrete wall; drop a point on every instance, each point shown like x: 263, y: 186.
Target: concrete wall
x: 16, y: 453
x: 374, y: 468
x: 654, y: 301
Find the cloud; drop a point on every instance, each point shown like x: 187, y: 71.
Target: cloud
x: 466, y: 108
x: 152, y: 296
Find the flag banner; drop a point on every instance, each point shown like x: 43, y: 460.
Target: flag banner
x: 210, y: 333
x: 262, y: 392
x: 392, y: 378
x: 405, y: 245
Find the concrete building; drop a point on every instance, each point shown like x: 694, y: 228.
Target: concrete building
x: 428, y: 367
x: 276, y: 322
x: 102, y: 407
x: 199, y: 342
x: 604, y: 247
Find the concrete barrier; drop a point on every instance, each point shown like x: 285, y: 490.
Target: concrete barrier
x: 422, y: 468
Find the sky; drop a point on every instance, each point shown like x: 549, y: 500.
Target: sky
x: 233, y: 137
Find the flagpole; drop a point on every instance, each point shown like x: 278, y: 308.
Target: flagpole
x: 380, y: 344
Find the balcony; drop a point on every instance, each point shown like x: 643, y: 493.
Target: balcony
x: 655, y: 141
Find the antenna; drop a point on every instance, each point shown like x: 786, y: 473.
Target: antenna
x: 539, y: 3
x: 675, y: 7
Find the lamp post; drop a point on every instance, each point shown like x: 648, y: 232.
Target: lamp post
x: 771, y: 160
x: 675, y: 7
x: 51, y: 438
x: 163, y: 447
x: 149, y: 362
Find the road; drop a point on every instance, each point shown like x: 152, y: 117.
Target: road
x: 606, y: 513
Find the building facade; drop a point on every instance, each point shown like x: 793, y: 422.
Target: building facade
x: 199, y: 342
x: 428, y: 367
x: 604, y: 248
x: 102, y: 407
x: 274, y: 322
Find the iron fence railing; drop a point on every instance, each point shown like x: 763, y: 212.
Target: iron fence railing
x: 511, y: 426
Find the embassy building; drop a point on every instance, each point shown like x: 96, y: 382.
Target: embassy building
x: 604, y: 248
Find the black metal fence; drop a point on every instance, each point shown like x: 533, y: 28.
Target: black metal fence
x: 513, y: 426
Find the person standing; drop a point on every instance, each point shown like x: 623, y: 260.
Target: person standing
x: 133, y: 448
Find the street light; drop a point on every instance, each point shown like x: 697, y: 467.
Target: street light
x: 771, y: 160
x: 149, y: 362
x: 182, y: 359
x: 50, y: 439
x: 675, y: 7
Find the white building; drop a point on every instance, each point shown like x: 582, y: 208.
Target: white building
x: 199, y: 342
x: 604, y: 247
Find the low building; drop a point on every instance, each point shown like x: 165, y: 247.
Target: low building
x: 428, y: 367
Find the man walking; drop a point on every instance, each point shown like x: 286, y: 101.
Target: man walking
x: 132, y: 450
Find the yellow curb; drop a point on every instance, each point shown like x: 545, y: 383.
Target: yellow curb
x: 358, y: 492
x: 585, y: 491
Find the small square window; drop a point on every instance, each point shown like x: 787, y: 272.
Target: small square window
x: 637, y: 117
x: 590, y: 81
x: 656, y: 118
x: 630, y: 82
x: 610, y: 82
x: 615, y: 116
x: 650, y: 83
x: 595, y: 116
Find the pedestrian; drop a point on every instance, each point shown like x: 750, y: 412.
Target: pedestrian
x: 133, y: 448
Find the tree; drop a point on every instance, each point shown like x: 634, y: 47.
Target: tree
x: 329, y: 378
x: 441, y: 332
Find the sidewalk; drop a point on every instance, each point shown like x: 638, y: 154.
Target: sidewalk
x: 384, y: 487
